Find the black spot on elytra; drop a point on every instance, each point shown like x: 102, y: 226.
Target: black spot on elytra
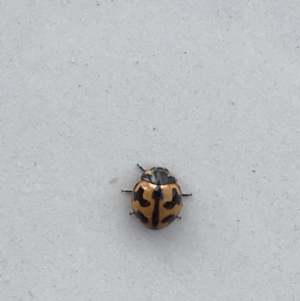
x: 169, y: 219
x: 175, y: 201
x: 141, y: 217
x: 138, y: 197
x: 157, y: 195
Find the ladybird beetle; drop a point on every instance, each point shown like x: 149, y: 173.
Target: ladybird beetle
x: 157, y: 198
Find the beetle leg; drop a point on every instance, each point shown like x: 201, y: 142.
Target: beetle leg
x: 179, y: 217
x: 130, y: 213
x: 141, y: 167
x: 126, y: 190
x: 187, y: 194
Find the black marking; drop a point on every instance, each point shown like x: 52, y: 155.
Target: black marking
x: 175, y: 201
x: 159, y: 176
x: 169, y: 219
x: 141, y: 217
x: 157, y: 195
x: 160, y: 168
x: 138, y: 197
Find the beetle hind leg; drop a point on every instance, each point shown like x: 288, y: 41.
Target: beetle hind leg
x: 127, y: 190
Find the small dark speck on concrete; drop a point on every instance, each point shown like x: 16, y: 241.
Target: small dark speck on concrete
x: 253, y: 170
x: 232, y: 103
x: 114, y: 180
x: 238, y: 220
x: 79, y: 85
x: 154, y: 129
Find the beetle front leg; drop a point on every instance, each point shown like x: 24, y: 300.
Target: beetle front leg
x: 141, y: 167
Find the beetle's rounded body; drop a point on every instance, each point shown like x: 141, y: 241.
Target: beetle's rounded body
x: 157, y: 198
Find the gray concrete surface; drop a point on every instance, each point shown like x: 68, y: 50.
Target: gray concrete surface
x: 210, y: 90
